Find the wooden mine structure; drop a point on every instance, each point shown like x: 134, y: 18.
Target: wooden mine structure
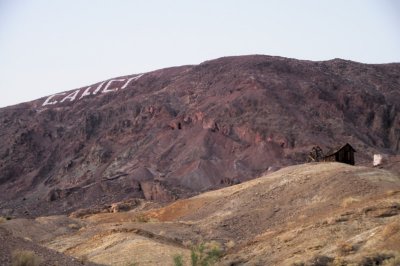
x: 341, y: 154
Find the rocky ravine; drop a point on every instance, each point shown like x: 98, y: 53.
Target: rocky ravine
x: 175, y: 132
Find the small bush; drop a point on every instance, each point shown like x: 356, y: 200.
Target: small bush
x: 84, y: 259
x: 25, y: 258
x: 376, y: 259
x: 74, y: 226
x: 345, y: 248
x: 320, y: 261
x: 205, y: 255
x: 339, y: 262
x: 392, y: 261
x: 142, y: 218
x: 178, y: 261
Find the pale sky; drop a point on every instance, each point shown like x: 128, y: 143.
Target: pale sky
x: 49, y: 46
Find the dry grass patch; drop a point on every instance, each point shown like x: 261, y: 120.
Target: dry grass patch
x: 25, y: 258
x: 392, y: 192
x: 391, y: 229
x: 230, y: 244
x: 187, y: 243
x: 74, y: 226
x: 349, y: 201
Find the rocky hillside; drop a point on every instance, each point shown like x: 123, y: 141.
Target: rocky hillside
x: 175, y: 132
x: 311, y: 214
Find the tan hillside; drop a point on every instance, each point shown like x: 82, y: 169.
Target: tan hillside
x: 300, y: 212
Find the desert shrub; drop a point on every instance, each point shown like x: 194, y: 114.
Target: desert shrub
x: 2, y: 219
x: 25, y: 258
x: 205, y: 255
x: 178, y: 261
x: 84, y: 259
x: 142, y: 218
x: 394, y: 261
x: 376, y: 259
x: 320, y: 261
x: 345, y: 248
x: 340, y: 262
x: 74, y: 226
x: 298, y: 263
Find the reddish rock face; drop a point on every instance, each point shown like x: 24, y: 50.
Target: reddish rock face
x: 176, y: 132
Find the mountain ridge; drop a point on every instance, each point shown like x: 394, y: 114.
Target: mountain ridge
x: 179, y: 131
x: 191, y: 65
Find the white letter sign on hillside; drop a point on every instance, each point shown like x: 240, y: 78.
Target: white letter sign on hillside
x: 129, y: 81
x: 71, y: 96
x: 51, y: 100
x: 47, y: 102
x: 98, y: 88
x: 86, y: 92
x: 108, y: 85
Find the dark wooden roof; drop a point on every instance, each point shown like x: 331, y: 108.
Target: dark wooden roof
x: 338, y: 148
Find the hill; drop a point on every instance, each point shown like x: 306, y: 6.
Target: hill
x: 299, y: 214
x: 176, y: 132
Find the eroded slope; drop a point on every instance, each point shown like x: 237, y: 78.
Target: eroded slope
x: 326, y: 209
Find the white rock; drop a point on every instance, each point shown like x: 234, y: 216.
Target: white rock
x: 378, y: 158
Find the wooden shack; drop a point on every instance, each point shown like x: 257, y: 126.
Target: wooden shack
x: 342, y: 154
